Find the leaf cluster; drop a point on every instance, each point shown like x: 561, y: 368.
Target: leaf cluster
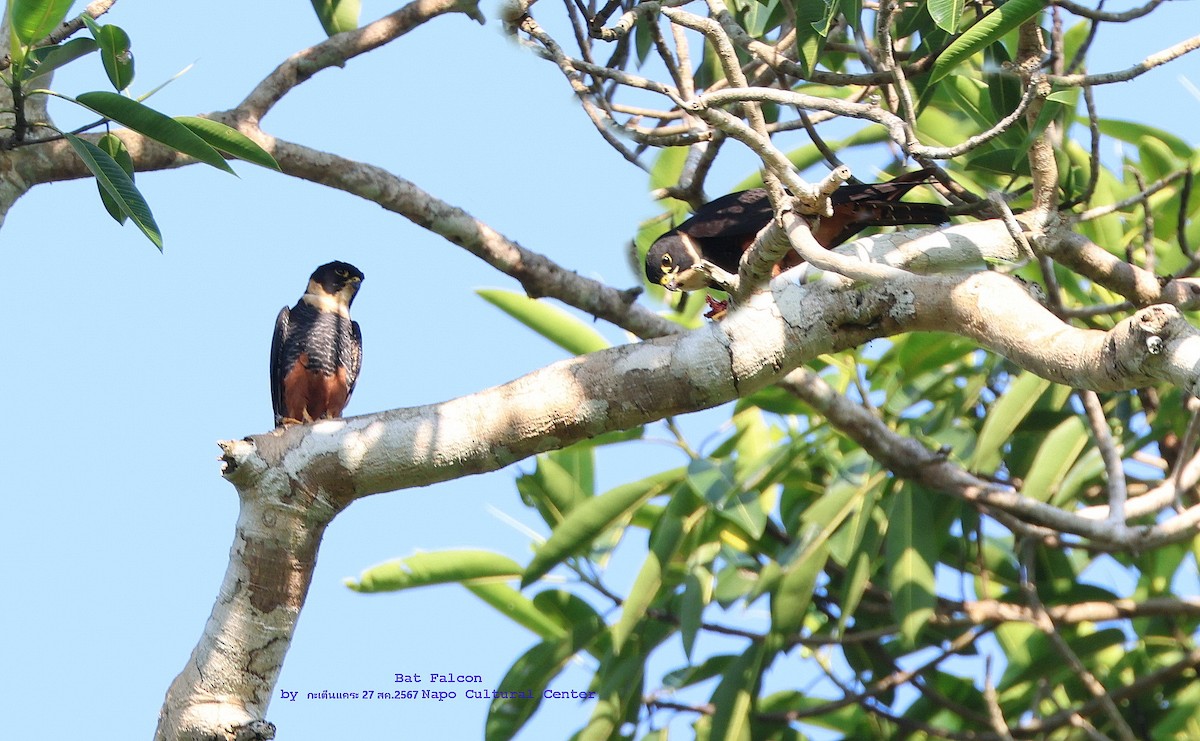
x: 35, y: 55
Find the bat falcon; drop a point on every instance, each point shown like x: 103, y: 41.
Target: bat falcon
x: 317, y: 350
x: 721, y: 230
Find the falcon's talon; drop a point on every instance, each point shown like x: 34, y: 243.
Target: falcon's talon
x: 716, y: 309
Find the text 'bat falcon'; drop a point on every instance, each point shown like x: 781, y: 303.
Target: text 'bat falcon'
x: 317, y: 350
x: 723, y: 229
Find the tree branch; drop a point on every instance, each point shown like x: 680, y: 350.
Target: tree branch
x: 338, y: 49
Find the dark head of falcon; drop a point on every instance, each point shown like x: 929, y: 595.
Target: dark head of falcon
x: 720, y: 231
x: 316, y: 351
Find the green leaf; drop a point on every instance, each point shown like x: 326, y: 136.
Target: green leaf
x: 1088, y: 469
x: 1046, y: 663
x: 1155, y: 158
x: 643, y: 40
x: 920, y: 352
x: 614, y: 702
x: 716, y: 483
x: 988, y: 30
x: 619, y: 684
x: 337, y: 16
x: 229, y: 140
x: 857, y: 577
x: 586, y: 521
x: 757, y: 16
x: 439, y: 567
x: 697, y: 593
x: 1179, y: 717
x: 578, y: 461
x: 793, y: 595
x: 843, y: 496
x: 946, y: 13
x: 672, y: 525
x: 1051, y: 111
x: 115, y: 148
x: 570, y: 611
x: 968, y: 95
x: 552, y: 489
x: 33, y: 20
x: 1133, y: 132
x: 641, y: 595
x: 116, y: 55
x: 1004, y: 161
x: 532, y: 672
x: 118, y: 185
x: 1004, y: 417
x: 810, y: 16
x: 1004, y: 88
x: 832, y: 11
x: 46, y: 59
x: 734, y: 695
x: 1055, y: 457
x: 912, y: 550
x: 551, y: 322
x: 157, y: 126
x: 668, y: 167
x: 694, y: 674
x: 528, y: 678
x: 519, y: 608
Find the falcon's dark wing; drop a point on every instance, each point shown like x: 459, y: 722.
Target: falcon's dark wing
x: 278, y: 341
x: 724, y: 228
x: 353, y: 359
x: 735, y: 215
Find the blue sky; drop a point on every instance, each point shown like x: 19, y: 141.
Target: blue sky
x: 126, y: 365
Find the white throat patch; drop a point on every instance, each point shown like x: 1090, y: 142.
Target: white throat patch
x: 322, y: 301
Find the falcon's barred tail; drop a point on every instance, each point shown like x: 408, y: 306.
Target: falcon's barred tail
x: 885, y: 213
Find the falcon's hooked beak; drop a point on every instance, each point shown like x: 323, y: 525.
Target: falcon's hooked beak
x: 681, y: 273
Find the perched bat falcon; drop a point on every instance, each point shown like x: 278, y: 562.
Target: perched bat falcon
x: 317, y: 350
x: 725, y: 228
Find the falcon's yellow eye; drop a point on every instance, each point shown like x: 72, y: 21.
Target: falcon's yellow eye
x: 666, y: 261
x: 342, y: 273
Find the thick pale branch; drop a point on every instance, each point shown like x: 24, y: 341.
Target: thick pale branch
x: 754, y: 346
x: 225, y: 688
x: 1155, y: 344
x: 1005, y: 307
x: 774, y: 332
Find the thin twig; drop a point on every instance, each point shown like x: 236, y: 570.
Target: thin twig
x: 1110, y: 452
x: 1154, y: 60
x: 68, y: 28
x: 1046, y: 624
